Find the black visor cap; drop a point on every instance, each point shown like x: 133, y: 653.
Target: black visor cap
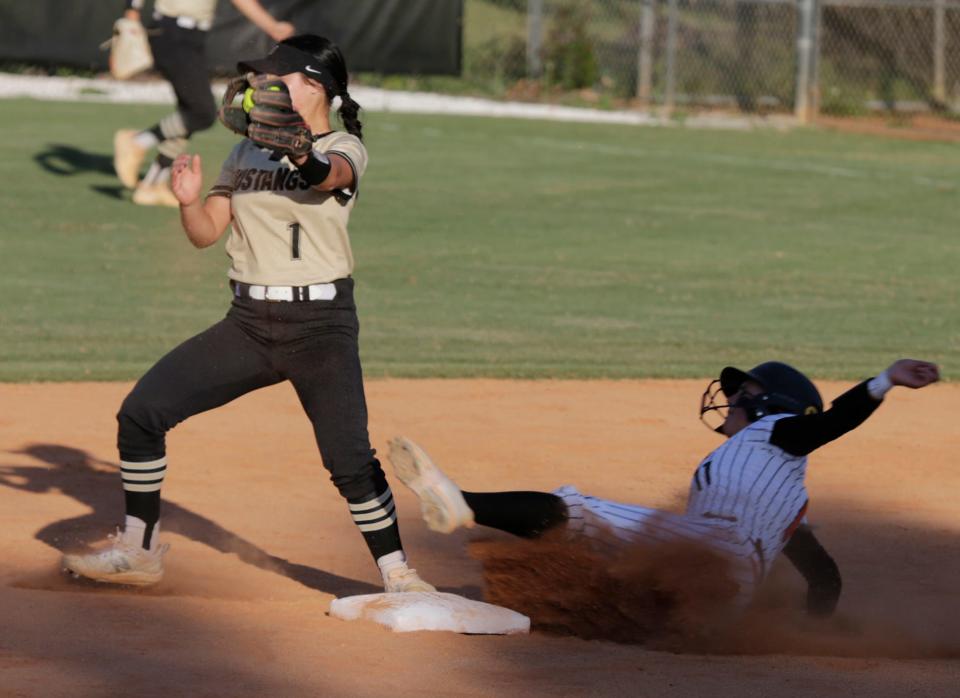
x: 283, y: 60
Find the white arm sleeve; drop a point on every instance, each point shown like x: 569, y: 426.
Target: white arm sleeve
x: 879, y: 386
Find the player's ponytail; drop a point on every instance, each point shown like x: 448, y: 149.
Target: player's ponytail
x: 330, y: 60
x: 350, y: 115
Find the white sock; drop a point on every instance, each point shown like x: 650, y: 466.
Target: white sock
x: 145, y: 139
x: 156, y: 174
x: 135, y: 529
x: 391, y: 561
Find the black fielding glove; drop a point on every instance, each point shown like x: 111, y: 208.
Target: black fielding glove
x: 273, y: 122
x: 265, y: 115
x: 231, y: 115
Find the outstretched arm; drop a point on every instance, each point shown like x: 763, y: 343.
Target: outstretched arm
x: 255, y: 12
x: 803, y: 434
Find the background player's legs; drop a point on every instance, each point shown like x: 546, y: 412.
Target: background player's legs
x: 180, y: 56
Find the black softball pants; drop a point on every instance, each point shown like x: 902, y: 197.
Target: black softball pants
x: 180, y: 56
x: 313, y: 344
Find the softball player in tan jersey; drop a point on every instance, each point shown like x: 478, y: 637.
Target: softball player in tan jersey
x: 747, y: 498
x: 293, y: 318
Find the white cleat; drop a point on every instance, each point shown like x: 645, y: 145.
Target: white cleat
x: 127, y: 157
x: 404, y: 579
x: 441, y: 502
x: 159, y: 194
x: 121, y: 563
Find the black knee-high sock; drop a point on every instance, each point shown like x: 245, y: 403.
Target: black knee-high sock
x: 144, y: 505
x: 524, y: 514
x: 141, y: 490
x: 376, y: 517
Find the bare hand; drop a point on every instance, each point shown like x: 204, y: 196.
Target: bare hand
x: 283, y: 30
x: 913, y: 373
x: 186, y: 179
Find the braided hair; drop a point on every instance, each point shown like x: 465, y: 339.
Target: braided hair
x: 331, y: 61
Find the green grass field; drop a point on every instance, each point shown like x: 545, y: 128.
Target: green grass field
x: 513, y: 248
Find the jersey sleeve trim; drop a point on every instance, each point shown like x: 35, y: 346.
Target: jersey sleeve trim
x: 344, y: 195
x: 226, y: 192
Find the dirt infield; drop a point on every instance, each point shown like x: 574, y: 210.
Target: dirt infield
x: 261, y: 544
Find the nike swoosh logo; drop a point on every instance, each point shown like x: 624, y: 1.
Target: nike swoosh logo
x: 313, y: 70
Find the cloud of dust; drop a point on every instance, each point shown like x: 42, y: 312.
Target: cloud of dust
x: 677, y: 597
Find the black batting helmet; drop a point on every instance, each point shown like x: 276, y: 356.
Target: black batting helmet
x: 785, y: 391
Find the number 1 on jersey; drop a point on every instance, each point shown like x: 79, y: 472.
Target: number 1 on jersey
x: 294, y: 240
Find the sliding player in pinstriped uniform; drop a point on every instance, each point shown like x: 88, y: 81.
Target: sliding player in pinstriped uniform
x: 747, y: 498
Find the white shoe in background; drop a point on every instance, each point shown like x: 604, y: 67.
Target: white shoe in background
x: 127, y: 157
x: 159, y: 194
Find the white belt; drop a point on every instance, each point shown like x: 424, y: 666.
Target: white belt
x: 313, y: 292
x: 188, y: 22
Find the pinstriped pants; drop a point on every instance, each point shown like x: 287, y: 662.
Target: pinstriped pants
x: 601, y: 520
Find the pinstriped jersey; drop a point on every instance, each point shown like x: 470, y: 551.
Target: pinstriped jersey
x: 754, y: 485
x: 284, y: 232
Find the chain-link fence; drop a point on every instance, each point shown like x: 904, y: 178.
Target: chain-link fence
x: 892, y: 55
x: 719, y: 53
x: 842, y: 57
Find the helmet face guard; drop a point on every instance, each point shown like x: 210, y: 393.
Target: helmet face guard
x: 785, y: 390
x: 714, y: 406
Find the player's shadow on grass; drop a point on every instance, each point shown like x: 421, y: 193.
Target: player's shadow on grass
x: 67, y: 161
x: 114, y: 192
x: 95, y: 483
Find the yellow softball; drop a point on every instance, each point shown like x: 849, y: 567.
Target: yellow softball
x: 248, y: 100
x: 247, y: 103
